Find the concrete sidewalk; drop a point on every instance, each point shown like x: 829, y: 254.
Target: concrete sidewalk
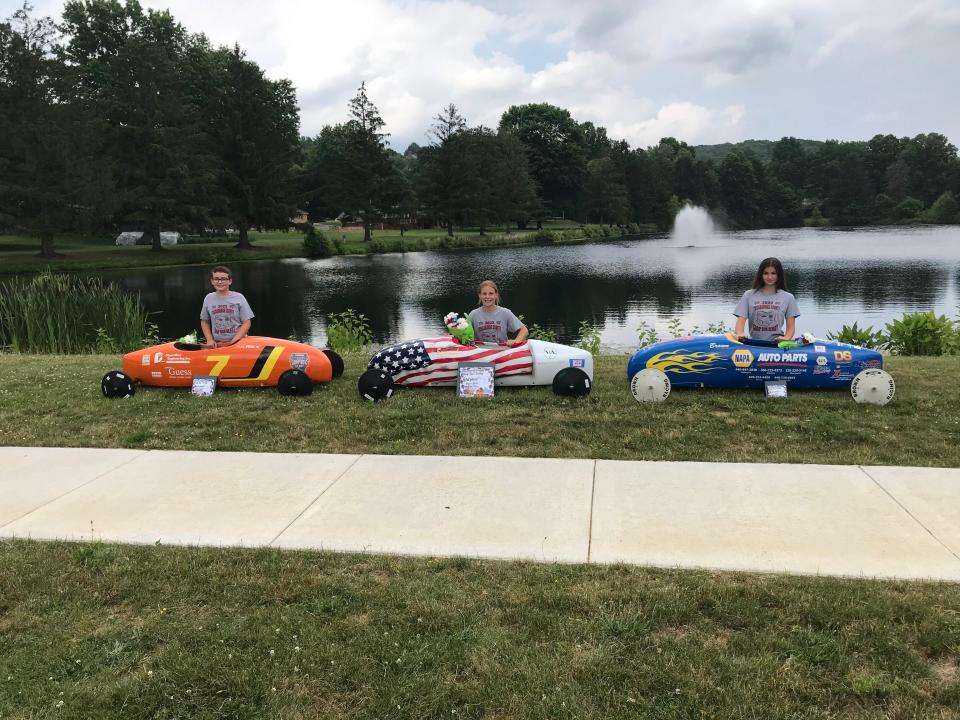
x: 830, y: 520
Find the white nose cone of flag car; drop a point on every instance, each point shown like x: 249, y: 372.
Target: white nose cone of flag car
x: 432, y: 362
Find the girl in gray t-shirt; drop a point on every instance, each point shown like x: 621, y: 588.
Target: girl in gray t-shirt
x: 768, y: 305
x: 492, y: 323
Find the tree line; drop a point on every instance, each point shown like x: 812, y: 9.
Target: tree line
x: 119, y: 115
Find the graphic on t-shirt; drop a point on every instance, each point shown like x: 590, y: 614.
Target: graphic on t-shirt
x: 766, y: 316
x: 225, y: 320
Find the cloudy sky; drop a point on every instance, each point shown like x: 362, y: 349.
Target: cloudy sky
x: 703, y: 72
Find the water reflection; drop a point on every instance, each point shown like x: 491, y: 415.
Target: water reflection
x: 869, y: 276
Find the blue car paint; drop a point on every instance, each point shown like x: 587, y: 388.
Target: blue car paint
x: 724, y: 361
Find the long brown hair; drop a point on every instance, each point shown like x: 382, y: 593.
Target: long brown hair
x: 776, y: 265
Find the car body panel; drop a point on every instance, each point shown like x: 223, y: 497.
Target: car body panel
x: 725, y: 361
x: 434, y: 361
x: 251, y: 362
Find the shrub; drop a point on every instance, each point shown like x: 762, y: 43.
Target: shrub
x: 539, y: 333
x: 545, y: 237
x: 943, y: 211
x: 908, y: 209
x: 921, y: 333
x: 589, y: 337
x: 317, y: 245
x: 340, y: 245
x: 646, y: 335
x: 348, y: 331
x: 861, y: 337
x: 69, y: 314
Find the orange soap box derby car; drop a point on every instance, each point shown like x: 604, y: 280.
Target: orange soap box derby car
x: 291, y: 366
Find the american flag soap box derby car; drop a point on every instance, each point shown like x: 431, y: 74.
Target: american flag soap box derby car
x: 727, y: 361
x: 290, y: 366
x: 434, y: 362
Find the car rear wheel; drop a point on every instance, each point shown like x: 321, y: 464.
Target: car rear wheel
x: 572, y: 382
x: 295, y: 382
x: 336, y: 362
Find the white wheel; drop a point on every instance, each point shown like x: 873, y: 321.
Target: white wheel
x: 650, y: 385
x: 874, y: 386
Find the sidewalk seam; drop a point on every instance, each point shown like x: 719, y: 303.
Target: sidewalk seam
x: 314, y: 501
x: 78, y: 487
x: 593, y: 490
x: 904, y: 508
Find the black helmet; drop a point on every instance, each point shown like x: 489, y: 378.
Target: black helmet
x: 571, y: 381
x: 375, y: 385
x: 116, y: 384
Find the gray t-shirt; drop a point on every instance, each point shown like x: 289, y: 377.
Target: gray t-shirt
x: 225, y: 314
x: 766, y: 312
x: 493, y: 326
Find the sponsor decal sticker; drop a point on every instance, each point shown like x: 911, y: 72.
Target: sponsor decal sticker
x: 782, y: 357
x: 742, y: 358
x: 719, y: 345
x: 156, y: 373
x: 158, y: 357
x: 145, y: 360
x: 177, y: 360
x: 842, y: 355
x: 822, y: 360
x: 577, y: 362
x: 822, y: 371
x: 179, y: 372
x: 819, y: 348
x: 299, y: 361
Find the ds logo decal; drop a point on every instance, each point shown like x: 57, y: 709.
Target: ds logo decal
x: 842, y: 355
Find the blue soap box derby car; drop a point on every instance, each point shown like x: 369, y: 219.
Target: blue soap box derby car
x: 728, y: 361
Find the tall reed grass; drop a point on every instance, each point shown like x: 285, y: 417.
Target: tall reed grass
x: 57, y: 313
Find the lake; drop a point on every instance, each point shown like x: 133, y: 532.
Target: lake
x: 867, y: 275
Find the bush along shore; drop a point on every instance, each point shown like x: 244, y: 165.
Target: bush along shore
x: 18, y: 253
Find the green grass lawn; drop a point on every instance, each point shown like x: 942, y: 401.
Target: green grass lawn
x: 56, y: 401
x: 111, y: 631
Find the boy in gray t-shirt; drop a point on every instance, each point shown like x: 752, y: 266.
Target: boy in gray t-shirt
x: 225, y: 316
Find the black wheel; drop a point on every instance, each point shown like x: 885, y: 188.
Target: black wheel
x: 335, y: 361
x: 116, y: 384
x: 294, y: 382
x: 572, y: 382
x: 375, y: 385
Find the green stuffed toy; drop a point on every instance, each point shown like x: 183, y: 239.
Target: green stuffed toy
x: 459, y: 326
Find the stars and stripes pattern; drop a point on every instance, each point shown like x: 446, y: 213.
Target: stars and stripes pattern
x: 434, y: 361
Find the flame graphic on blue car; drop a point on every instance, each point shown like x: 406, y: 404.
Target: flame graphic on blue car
x: 681, y: 361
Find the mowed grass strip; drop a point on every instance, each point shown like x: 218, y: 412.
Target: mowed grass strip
x: 102, y: 631
x: 56, y: 401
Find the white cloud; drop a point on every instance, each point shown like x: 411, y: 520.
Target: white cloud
x: 685, y: 121
x: 701, y: 71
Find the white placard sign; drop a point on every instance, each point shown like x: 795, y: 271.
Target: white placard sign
x: 475, y: 379
x: 203, y: 385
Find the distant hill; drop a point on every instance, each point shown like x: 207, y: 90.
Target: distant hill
x: 763, y: 149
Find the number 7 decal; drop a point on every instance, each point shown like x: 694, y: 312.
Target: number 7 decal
x: 219, y: 363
